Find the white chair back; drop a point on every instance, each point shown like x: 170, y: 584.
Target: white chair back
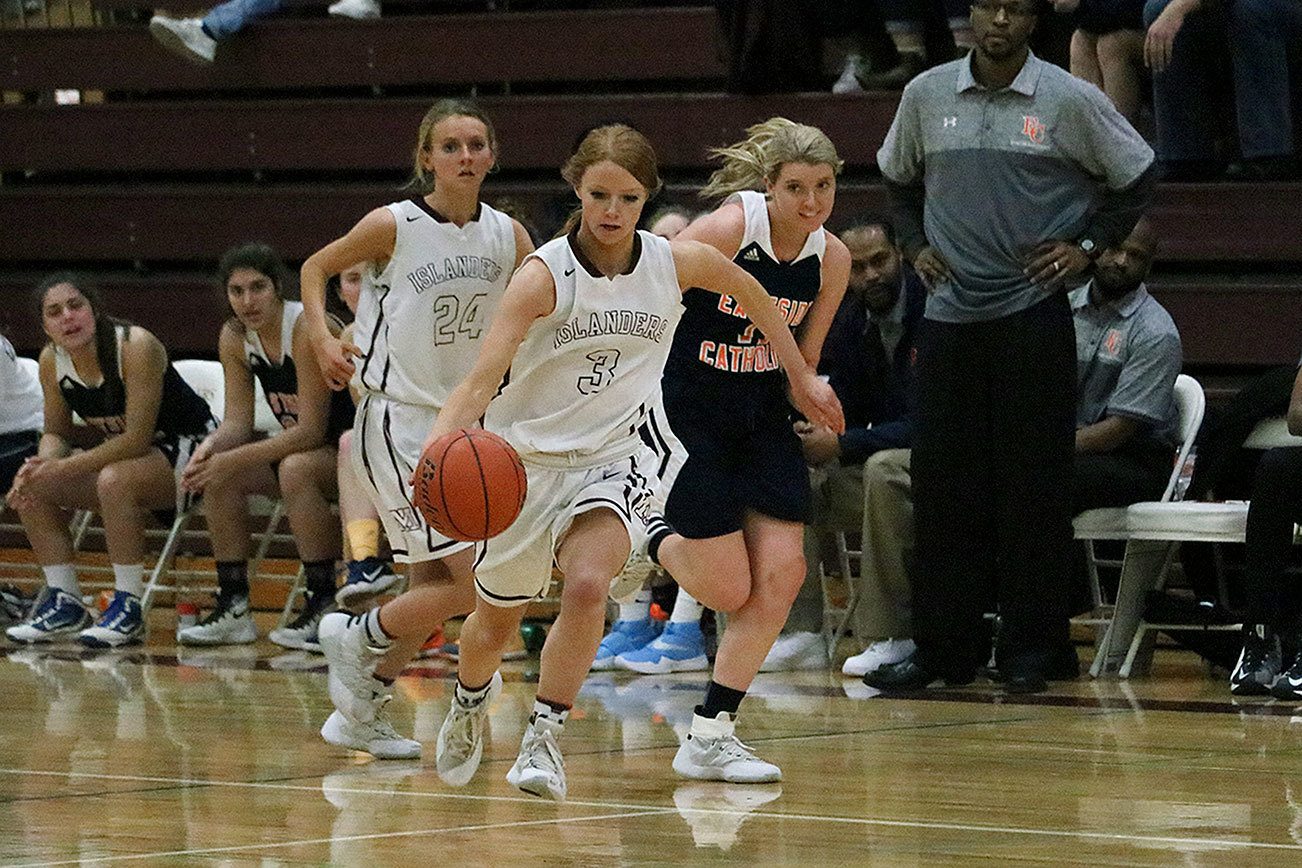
x: 1191, y: 404
x: 205, y: 377
x: 1270, y: 433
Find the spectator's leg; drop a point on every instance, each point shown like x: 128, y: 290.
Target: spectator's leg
x: 1260, y: 33
x: 1120, y: 57
x: 837, y: 504
x: 1119, y: 479
x: 1180, y: 92
x: 1085, y: 58
x: 885, y: 589
x: 226, y: 19
x: 1275, y: 507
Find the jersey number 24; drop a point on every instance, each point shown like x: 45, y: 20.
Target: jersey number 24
x: 451, y: 319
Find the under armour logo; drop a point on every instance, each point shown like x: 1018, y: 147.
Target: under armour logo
x: 951, y: 121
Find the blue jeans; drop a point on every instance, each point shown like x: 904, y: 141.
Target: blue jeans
x: 1261, y: 32
x: 224, y: 21
x: 1258, y: 34
x: 1180, y: 104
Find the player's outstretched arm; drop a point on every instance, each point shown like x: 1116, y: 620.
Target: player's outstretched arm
x: 701, y: 265
x: 371, y: 240
x: 530, y: 295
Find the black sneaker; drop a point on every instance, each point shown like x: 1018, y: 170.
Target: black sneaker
x: 1258, y: 665
x: 1289, y: 683
x: 300, y: 633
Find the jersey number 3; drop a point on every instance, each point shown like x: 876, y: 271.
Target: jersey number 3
x: 451, y: 320
x: 603, y: 371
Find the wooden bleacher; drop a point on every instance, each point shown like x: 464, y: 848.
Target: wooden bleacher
x: 305, y: 123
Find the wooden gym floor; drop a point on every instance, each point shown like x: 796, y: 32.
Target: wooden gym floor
x: 176, y: 756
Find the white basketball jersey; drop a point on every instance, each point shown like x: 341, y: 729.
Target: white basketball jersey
x: 22, y: 406
x: 584, y: 376
x: 421, y: 319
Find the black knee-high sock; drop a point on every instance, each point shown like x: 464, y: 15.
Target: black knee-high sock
x: 233, y: 579
x: 320, y: 577
x: 719, y: 698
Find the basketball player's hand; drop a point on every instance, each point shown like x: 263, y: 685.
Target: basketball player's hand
x: 42, y: 477
x: 191, y: 474
x: 816, y: 400
x: 820, y: 445
x: 214, y: 468
x: 932, y: 268
x: 335, y: 358
x: 19, y: 497
x: 1054, y: 263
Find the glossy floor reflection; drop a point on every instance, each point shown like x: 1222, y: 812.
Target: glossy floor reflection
x: 213, y: 757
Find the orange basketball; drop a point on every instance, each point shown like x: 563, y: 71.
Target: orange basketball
x: 470, y: 485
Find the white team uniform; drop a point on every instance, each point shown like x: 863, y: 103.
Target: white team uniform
x: 22, y: 405
x: 580, y: 386
x: 420, y: 322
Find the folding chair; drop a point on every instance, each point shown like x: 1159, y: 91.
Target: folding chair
x: 1156, y: 531
x: 1109, y: 523
x: 207, y: 378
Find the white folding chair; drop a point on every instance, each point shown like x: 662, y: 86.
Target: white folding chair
x: 1156, y: 531
x: 208, y: 379
x: 1109, y: 523
x: 836, y: 618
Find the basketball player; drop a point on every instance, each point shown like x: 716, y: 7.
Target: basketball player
x: 584, y: 330
x: 440, y: 263
x: 146, y: 421
x: 267, y: 340
x: 737, y: 485
x: 367, y: 575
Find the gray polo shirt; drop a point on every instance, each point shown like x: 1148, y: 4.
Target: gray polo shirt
x: 1128, y: 355
x: 1005, y: 171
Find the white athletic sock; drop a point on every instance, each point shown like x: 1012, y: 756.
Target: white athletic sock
x: 638, y: 609
x: 129, y: 578
x: 470, y: 698
x: 544, y: 711
x: 376, y: 638
x: 63, y: 577
x: 686, y: 609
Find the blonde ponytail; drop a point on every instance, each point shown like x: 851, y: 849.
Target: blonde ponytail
x: 756, y: 160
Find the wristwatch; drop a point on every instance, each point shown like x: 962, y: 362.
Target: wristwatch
x: 1088, y: 247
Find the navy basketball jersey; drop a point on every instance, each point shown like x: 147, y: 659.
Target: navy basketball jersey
x: 104, y: 405
x: 279, y: 379
x: 715, y: 338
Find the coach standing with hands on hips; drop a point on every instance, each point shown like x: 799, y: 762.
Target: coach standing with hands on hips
x: 1007, y: 176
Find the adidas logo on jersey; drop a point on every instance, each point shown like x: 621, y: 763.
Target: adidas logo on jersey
x: 752, y: 255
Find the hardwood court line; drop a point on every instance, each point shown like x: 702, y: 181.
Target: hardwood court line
x: 644, y: 810
x: 412, y: 833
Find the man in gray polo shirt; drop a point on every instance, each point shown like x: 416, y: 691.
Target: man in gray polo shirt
x: 1128, y: 355
x: 1008, y: 176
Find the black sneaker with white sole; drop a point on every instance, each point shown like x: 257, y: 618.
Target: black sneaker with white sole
x: 1289, y: 683
x: 1259, y: 662
x: 301, y: 633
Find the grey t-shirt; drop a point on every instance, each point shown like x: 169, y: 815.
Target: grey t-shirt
x: 1003, y: 172
x: 1128, y: 355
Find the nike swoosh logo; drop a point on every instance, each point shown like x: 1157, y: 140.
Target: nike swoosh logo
x: 569, y: 272
x: 410, y: 219
x: 370, y: 577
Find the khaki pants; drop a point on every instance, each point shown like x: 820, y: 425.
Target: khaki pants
x: 876, y: 499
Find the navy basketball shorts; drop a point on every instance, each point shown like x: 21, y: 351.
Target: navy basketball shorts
x: 727, y: 448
